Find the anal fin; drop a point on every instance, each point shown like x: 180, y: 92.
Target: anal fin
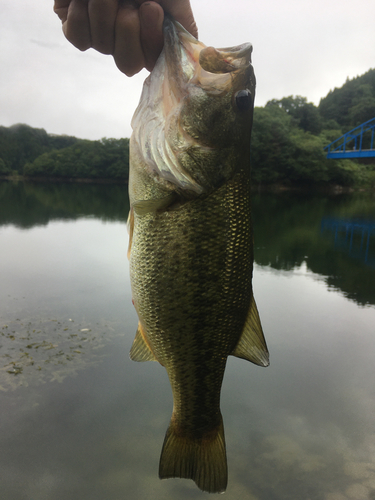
x: 140, y: 351
x: 252, y: 344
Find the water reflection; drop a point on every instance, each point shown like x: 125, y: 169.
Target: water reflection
x: 62, y: 293
x: 353, y: 237
x: 301, y: 429
x: 27, y: 204
x: 287, y: 226
x: 288, y: 233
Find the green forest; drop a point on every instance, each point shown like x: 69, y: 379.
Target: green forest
x: 288, y: 140
x: 33, y: 153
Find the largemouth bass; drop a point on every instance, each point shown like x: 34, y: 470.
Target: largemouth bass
x: 190, y: 243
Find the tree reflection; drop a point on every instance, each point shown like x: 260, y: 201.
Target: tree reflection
x: 27, y: 204
x: 287, y: 232
x: 287, y: 225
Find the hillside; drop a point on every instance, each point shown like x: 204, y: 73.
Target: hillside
x: 351, y: 104
x: 288, y: 140
x: 21, y: 143
x: 35, y: 153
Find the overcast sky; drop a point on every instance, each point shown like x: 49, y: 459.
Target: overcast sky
x: 301, y: 47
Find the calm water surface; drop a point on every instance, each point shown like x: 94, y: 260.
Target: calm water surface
x: 79, y: 420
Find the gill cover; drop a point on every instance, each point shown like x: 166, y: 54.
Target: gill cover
x: 188, y: 114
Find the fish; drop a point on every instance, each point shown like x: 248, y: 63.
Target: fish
x: 191, y: 242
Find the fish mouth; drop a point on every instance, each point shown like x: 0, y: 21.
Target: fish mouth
x: 190, y: 61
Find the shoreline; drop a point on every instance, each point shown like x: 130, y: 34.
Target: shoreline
x: 82, y: 180
x: 272, y: 188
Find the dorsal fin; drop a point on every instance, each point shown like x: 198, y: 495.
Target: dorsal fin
x: 252, y: 344
x: 140, y: 351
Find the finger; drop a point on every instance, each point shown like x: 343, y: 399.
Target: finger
x: 102, y: 16
x: 61, y: 9
x: 76, y: 28
x: 151, y: 23
x: 128, y: 53
x: 181, y: 11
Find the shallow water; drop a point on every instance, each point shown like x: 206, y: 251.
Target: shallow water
x: 80, y: 420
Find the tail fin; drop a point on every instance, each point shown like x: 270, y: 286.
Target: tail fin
x: 203, y: 460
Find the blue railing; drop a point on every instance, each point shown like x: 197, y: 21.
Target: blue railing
x: 350, y: 144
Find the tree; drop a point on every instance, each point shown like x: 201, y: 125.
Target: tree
x: 351, y: 104
x: 283, y: 153
x: 305, y: 114
x: 107, y: 158
x: 21, y: 144
x: 4, y: 169
x: 270, y: 145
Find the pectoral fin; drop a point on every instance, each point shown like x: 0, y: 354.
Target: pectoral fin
x: 252, y: 344
x: 130, y: 225
x: 143, y: 207
x: 140, y: 351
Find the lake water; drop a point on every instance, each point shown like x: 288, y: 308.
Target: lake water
x: 79, y: 420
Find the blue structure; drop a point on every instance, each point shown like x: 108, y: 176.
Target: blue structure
x: 355, y: 237
x: 349, y: 145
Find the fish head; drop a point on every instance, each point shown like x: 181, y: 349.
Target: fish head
x: 193, y: 124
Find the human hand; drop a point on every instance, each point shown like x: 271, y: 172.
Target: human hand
x: 130, y: 30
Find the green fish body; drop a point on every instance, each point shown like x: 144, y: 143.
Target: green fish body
x: 191, y: 242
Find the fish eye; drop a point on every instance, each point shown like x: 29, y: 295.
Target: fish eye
x: 243, y: 100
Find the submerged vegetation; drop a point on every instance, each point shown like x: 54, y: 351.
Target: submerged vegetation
x: 288, y: 140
